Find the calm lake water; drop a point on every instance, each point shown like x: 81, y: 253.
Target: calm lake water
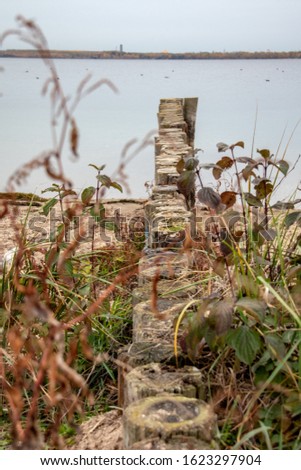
x: 229, y: 93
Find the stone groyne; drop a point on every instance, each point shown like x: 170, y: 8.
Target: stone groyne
x: 163, y: 404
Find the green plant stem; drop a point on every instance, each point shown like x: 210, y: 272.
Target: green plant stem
x: 220, y: 241
x: 242, y: 204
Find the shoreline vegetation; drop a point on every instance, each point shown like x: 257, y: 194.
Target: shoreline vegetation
x: 165, y: 55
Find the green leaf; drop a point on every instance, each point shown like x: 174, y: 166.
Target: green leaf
x: 265, y: 153
x: 263, y: 189
x: 53, y: 189
x: 98, y: 210
x: 275, y: 345
x: 254, y: 307
x: 68, y: 267
x: 252, y: 200
x: 268, y: 234
x: 87, y: 194
x: 292, y: 218
x: 222, y: 147
x: 105, y: 180
x: 282, y: 166
x: 98, y: 168
x: 245, y: 342
x: 116, y: 186
x: 49, y: 205
x: 279, y: 205
x: 191, y: 164
x: 185, y: 183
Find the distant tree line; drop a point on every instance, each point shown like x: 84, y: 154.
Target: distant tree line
x: 22, y: 53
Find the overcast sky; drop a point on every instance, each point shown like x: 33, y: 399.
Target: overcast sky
x: 157, y: 25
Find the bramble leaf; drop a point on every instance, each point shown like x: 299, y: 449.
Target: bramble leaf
x: 245, y: 342
x: 275, y: 345
x: 255, y: 307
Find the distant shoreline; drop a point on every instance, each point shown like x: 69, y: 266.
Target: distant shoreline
x: 117, y: 55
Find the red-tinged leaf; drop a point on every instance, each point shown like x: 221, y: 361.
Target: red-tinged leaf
x: 180, y: 166
x: 263, y: 189
x: 74, y: 137
x: 228, y: 198
x: 217, y: 172
x: 222, y: 313
x: 218, y: 266
x: 225, y: 162
x: 248, y: 171
x: 68, y: 192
